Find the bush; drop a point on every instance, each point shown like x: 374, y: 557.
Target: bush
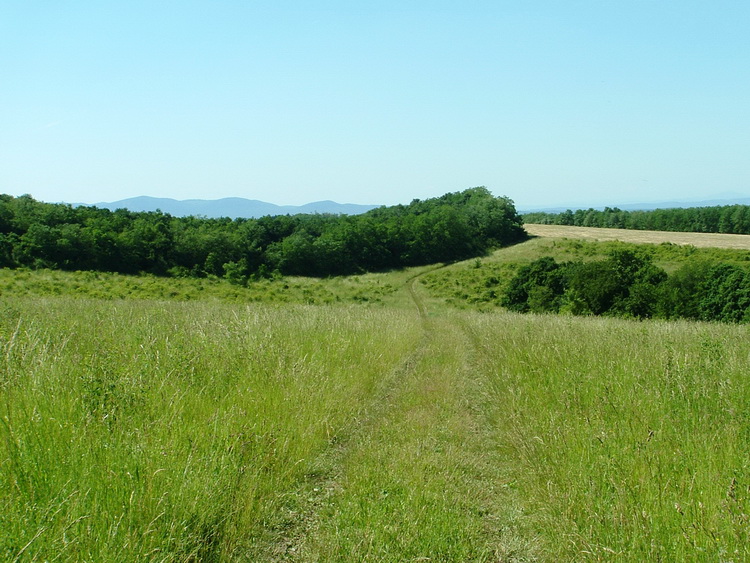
x: 537, y: 287
x: 626, y: 284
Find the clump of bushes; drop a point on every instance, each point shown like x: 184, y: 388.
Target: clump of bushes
x: 628, y: 284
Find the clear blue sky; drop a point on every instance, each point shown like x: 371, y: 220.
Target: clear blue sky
x: 557, y: 102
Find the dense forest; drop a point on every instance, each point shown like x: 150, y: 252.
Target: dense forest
x: 720, y: 219
x: 628, y: 284
x: 455, y: 226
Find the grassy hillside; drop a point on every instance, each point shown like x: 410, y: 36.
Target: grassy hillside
x: 367, y: 288
x: 364, y: 419
x: 479, y: 283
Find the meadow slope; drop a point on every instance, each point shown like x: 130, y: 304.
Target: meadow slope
x: 338, y: 427
x: 199, y: 431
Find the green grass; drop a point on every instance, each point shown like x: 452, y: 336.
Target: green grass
x: 479, y: 284
x: 338, y: 420
x: 166, y: 431
x: 366, y: 288
x: 630, y: 440
x: 423, y: 480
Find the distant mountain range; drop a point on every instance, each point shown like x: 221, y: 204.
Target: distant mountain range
x: 232, y: 207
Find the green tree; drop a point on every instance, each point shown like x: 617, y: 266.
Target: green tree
x: 681, y: 293
x: 725, y: 294
x: 593, y: 287
x: 625, y: 284
x: 537, y: 287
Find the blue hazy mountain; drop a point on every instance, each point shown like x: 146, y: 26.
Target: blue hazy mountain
x: 232, y: 207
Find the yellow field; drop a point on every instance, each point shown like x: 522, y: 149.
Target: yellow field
x: 704, y: 240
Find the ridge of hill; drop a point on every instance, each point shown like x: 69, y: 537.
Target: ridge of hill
x: 238, y: 207
x: 232, y: 207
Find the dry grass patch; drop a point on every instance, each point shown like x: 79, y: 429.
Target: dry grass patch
x: 701, y: 240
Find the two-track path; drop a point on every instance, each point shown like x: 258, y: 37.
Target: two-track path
x: 419, y: 478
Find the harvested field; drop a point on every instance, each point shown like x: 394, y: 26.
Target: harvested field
x: 703, y: 240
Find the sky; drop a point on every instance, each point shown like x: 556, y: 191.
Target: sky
x: 549, y: 103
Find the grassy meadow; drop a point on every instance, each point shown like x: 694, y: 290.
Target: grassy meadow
x: 171, y: 431
x: 386, y: 417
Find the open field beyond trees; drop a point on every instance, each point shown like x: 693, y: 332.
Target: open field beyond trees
x: 399, y: 416
x: 701, y: 240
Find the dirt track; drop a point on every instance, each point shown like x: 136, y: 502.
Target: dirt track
x: 654, y: 237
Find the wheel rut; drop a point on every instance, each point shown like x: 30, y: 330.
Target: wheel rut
x: 416, y: 477
x: 323, y: 481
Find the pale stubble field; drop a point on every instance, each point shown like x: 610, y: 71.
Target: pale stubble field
x: 699, y: 240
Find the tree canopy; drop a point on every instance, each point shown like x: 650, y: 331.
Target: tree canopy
x: 734, y: 219
x: 452, y: 227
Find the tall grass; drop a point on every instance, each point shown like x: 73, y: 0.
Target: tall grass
x: 170, y: 432
x: 630, y: 440
x: 150, y: 430
x: 365, y: 288
x: 424, y: 482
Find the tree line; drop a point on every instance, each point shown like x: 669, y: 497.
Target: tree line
x: 452, y: 227
x: 718, y: 219
x: 628, y: 284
